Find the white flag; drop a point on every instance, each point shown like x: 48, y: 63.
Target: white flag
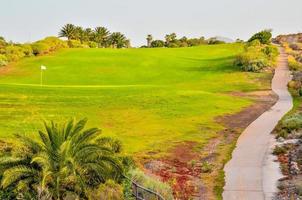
x: 43, y: 67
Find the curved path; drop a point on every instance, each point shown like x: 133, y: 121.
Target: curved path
x: 251, y: 174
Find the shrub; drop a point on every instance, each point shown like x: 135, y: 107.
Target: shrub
x: 3, y: 60
x: 54, y: 43
x: 40, y: 48
x: 151, y: 183
x: 14, y: 53
x: 264, y: 37
x: 299, y: 57
x: 92, y: 44
x: 282, y: 133
x: 157, y: 43
x: 206, y: 167
x: 294, y: 64
x: 47, y: 45
x: 27, y: 49
x: 278, y: 150
x: 256, y: 56
x: 294, y: 84
x: 293, y: 122
x: 109, y: 191
x: 271, y: 51
x: 74, y: 44
x: 215, y: 41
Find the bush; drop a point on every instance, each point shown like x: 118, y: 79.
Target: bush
x: 49, y: 44
x: 278, y: 150
x: 293, y: 122
x: 14, y: 53
x: 215, y: 41
x: 109, y: 191
x: 264, y: 37
x: 157, y: 43
x: 151, y: 183
x: 92, y: 44
x: 207, y: 167
x: 74, y: 44
x: 271, y: 51
x: 3, y: 60
x: 40, y: 48
x: 54, y: 43
x: 294, y: 84
x: 282, y: 133
x: 256, y: 57
x: 28, y: 51
x: 294, y: 64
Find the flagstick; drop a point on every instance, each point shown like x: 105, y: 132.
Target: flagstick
x: 41, y: 78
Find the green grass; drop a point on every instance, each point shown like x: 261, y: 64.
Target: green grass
x: 148, y: 98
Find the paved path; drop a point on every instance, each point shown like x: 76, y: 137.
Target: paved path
x: 251, y: 174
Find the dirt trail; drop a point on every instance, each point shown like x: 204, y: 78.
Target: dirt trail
x: 251, y: 174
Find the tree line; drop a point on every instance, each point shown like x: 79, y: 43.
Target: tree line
x: 77, y: 37
x: 171, y: 41
x: 99, y: 37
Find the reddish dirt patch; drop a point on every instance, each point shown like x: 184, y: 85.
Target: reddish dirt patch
x: 190, y: 170
x: 178, y: 168
x: 5, y: 70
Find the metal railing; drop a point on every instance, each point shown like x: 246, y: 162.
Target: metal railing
x: 141, y: 193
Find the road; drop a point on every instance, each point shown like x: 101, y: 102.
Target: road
x: 251, y: 174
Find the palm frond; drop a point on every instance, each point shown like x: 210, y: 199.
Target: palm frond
x: 16, y: 174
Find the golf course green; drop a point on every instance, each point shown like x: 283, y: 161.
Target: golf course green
x: 150, y: 99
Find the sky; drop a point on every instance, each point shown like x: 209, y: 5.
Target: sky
x: 31, y: 20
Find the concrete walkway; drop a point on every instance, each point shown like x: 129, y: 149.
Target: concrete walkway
x: 251, y: 174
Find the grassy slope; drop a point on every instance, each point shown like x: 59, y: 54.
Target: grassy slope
x: 146, y: 97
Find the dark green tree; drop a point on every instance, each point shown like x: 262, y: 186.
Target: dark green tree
x: 170, y: 39
x: 264, y: 37
x: 68, y: 31
x: 101, y: 35
x: 118, y: 40
x: 157, y: 43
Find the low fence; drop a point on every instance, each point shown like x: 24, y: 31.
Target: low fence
x: 141, y: 193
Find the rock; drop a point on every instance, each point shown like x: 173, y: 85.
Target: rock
x: 294, y: 168
x: 280, y: 140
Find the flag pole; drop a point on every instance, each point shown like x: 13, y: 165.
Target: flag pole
x: 41, y: 78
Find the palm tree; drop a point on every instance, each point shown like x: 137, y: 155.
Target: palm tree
x: 101, y: 35
x: 65, y: 158
x: 87, y: 35
x: 68, y: 31
x: 149, y: 40
x: 78, y: 33
x: 118, y: 40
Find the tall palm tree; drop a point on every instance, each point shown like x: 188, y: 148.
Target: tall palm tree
x: 68, y: 31
x: 78, y: 32
x: 149, y: 40
x: 118, y: 40
x: 65, y: 158
x: 101, y: 35
x: 87, y: 35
